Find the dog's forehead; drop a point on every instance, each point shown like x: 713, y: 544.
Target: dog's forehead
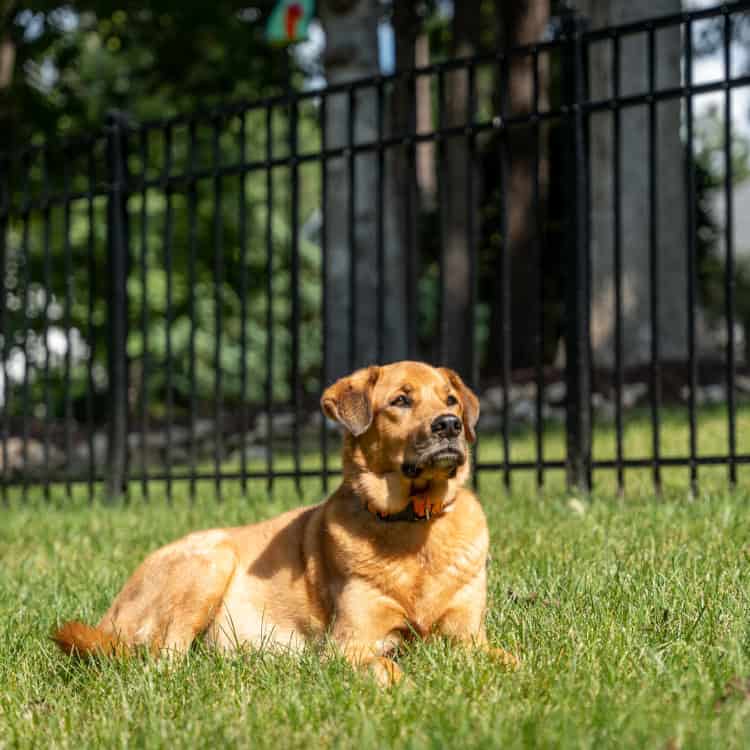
x: 416, y: 375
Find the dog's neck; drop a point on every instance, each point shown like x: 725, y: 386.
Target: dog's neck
x: 389, y: 493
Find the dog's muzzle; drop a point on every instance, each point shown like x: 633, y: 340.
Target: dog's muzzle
x: 444, y: 456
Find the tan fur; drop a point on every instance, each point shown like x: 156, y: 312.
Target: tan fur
x: 333, y: 568
x: 79, y: 639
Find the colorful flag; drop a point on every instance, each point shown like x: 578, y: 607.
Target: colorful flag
x: 289, y: 21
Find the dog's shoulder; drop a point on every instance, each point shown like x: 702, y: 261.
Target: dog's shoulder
x: 468, y: 508
x: 465, y: 519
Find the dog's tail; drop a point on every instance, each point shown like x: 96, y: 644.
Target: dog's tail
x: 78, y: 639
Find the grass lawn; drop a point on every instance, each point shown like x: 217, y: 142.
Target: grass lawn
x: 632, y: 619
x: 631, y: 616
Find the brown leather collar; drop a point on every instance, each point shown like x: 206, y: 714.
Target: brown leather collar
x: 417, y: 510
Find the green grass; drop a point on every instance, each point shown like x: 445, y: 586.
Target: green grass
x: 631, y: 616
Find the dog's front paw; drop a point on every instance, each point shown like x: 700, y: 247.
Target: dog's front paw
x: 504, y: 658
x: 385, y: 671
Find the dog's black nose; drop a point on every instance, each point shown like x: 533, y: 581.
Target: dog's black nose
x: 447, y: 425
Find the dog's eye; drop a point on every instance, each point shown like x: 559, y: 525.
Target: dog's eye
x: 401, y: 400
x: 451, y: 401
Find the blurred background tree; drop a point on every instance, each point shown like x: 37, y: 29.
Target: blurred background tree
x: 69, y: 64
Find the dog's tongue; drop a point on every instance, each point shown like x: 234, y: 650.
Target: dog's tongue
x: 423, y: 504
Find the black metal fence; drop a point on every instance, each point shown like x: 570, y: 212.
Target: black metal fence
x: 176, y: 293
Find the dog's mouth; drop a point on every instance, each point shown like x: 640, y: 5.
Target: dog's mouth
x: 443, y: 458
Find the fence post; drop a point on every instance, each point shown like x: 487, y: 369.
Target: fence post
x: 117, y: 305
x: 577, y: 286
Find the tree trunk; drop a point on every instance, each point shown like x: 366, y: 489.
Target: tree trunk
x: 522, y: 22
x: 7, y: 60
x: 460, y: 221
x: 426, y: 177
x: 352, y: 53
x: 403, y: 175
x: 634, y: 192
x: 7, y: 68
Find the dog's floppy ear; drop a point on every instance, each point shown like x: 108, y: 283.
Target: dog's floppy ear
x: 349, y: 400
x: 469, y: 402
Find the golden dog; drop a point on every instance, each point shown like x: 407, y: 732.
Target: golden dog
x: 399, y: 549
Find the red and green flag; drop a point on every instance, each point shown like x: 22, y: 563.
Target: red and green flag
x: 289, y: 21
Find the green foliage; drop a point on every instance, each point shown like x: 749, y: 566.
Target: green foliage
x: 74, y: 65
x: 710, y: 171
x: 209, y: 289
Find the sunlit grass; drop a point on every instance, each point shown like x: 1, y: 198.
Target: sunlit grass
x: 631, y: 618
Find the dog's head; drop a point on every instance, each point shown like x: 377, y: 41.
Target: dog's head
x: 407, y: 417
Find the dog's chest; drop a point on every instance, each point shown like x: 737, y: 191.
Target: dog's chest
x: 427, y: 583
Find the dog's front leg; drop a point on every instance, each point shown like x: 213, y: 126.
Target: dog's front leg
x: 453, y: 626
x: 463, y: 622
x: 366, y: 656
x: 366, y: 629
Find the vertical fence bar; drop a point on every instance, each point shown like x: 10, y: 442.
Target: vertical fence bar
x: 617, y: 250
x: 538, y: 233
x: 5, y: 200
x: 471, y: 208
x: 90, y: 330
x: 294, y: 281
x: 243, y: 303
x: 117, y: 263
x: 351, y: 223
x: 587, y: 260
x: 218, y: 308
x: 473, y: 246
x: 653, y: 239
x: 68, y: 258
x: 23, y: 283
x: 412, y: 220
x: 380, y: 211
x: 729, y: 280
x: 143, y: 153
x: 442, y: 168
x: 324, y: 284
x: 269, y: 296
x: 168, y: 316
x: 5, y: 204
x: 192, y: 280
x: 577, y: 373
x: 504, y: 266
x: 46, y: 241
x: 691, y: 248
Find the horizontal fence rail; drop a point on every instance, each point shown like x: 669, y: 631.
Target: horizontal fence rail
x: 177, y: 293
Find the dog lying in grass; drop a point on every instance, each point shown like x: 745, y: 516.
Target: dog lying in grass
x: 398, y: 551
